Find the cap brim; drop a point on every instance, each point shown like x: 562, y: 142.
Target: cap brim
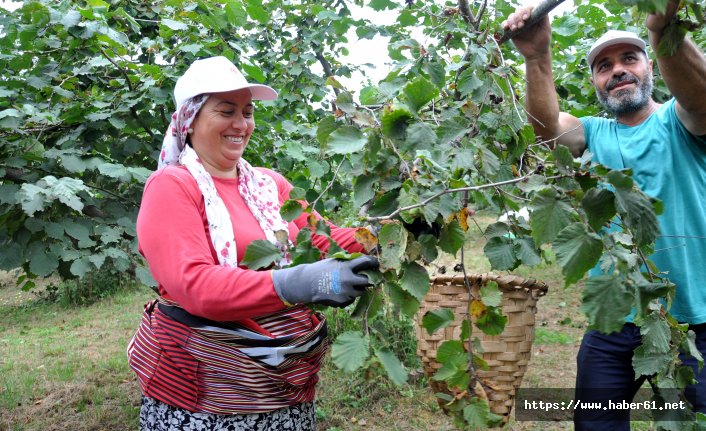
x: 262, y: 92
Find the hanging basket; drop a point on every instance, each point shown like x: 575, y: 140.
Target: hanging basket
x: 507, y: 354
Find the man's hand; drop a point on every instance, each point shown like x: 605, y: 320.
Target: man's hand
x: 657, y: 22
x: 534, y: 41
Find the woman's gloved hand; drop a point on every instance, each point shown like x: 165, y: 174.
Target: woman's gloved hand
x: 332, y: 282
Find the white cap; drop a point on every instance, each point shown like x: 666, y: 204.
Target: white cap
x: 216, y: 75
x: 610, y: 38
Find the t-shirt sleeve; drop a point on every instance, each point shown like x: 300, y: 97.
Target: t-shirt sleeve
x: 587, y: 123
x: 344, y: 237
x: 174, y: 239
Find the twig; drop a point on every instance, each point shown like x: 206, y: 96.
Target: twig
x: 466, y: 13
x: 460, y: 189
x: 406, y: 165
x: 327, y: 67
x: 481, y: 11
x: 117, y: 66
x: 537, y: 14
x: 330, y: 184
x: 471, y: 369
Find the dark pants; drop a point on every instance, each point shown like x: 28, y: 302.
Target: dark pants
x: 604, y: 371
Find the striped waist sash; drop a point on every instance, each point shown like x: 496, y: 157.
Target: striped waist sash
x: 225, y: 367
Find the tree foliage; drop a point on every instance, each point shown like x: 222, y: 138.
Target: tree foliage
x: 86, y: 98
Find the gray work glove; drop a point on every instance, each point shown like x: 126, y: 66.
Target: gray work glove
x: 332, y: 282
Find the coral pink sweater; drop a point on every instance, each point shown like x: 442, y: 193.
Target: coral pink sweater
x: 173, y: 236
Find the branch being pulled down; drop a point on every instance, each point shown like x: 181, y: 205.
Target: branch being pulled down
x: 537, y: 14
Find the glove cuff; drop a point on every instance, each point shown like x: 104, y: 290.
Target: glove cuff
x: 276, y: 275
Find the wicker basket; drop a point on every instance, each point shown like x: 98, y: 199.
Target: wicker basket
x: 507, y: 354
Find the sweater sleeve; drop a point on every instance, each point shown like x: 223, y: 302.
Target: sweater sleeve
x: 344, y: 237
x: 173, y: 237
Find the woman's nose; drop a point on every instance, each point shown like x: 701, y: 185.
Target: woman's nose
x: 239, y: 122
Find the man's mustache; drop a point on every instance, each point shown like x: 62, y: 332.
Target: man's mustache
x: 621, y: 79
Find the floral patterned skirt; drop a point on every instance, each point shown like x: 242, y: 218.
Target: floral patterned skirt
x: 158, y: 416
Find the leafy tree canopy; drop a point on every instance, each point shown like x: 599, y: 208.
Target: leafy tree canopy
x: 85, y: 97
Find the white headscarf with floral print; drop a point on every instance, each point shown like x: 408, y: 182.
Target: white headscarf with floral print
x: 258, y: 190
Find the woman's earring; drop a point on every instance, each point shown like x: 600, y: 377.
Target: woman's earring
x: 190, y: 131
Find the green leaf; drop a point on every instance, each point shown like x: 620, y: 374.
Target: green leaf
x: 420, y: 136
x: 635, y: 208
x: 11, y: 256
x: 394, y: 122
x: 350, y: 350
x: 371, y: 96
x: 647, y: 363
x: 672, y: 37
x: 235, y: 13
x: 689, y: 346
x: 257, y: 11
x: 419, y: 93
x: 478, y: 415
x: 393, y: 242
x: 606, y: 303
x: 363, y: 189
x: 415, y: 279
x: 656, y: 334
x: 599, y: 205
x: 145, y: 276
x: 451, y: 130
x: 500, y: 251
x: 174, y: 25
x: 452, y: 237
x: 326, y: 126
x: 577, y: 251
x: 297, y: 193
x: 449, y: 349
x: 434, y: 320
x: 77, y: 231
x: 346, y: 140
x: 80, y: 267
x: 291, y: 209
x: 429, y: 247
x: 43, y: 264
x: 384, y: 204
x: 566, y: 25
x: 261, y: 254
x: 437, y: 74
x: 454, y: 372
x: 31, y: 198
x: 527, y: 252
x: 468, y: 81
x: 564, y: 160
x: 491, y: 294
x: 380, y: 5
x: 392, y: 365
x: 402, y: 300
x: 114, y: 170
x: 550, y: 214
x: 492, y: 322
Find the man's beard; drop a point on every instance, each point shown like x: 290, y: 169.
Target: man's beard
x: 626, y: 101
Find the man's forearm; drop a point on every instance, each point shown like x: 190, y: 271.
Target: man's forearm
x: 541, y: 99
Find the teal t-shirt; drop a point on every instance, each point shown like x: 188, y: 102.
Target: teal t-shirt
x: 668, y: 163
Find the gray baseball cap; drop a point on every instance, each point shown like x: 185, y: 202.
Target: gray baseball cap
x: 610, y: 38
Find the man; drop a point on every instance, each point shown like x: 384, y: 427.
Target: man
x: 665, y: 146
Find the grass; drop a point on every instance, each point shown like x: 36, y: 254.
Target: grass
x: 65, y: 368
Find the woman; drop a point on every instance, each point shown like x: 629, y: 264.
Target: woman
x: 225, y: 347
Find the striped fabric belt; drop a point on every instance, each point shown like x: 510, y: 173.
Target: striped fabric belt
x: 225, y: 367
